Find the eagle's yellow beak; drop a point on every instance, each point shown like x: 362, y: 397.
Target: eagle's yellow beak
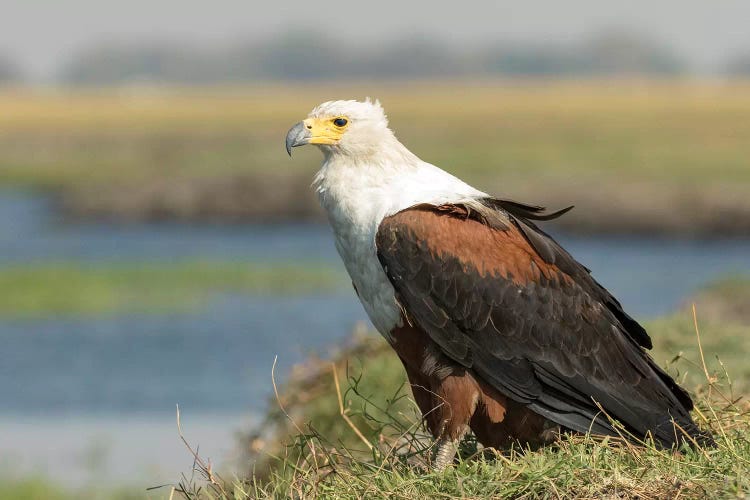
x: 313, y: 131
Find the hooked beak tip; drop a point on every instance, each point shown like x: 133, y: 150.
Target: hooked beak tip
x: 298, y: 135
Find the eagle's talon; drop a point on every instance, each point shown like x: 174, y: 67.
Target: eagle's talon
x: 445, y: 452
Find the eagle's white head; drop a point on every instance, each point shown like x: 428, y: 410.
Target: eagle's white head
x: 351, y: 128
x: 365, y: 168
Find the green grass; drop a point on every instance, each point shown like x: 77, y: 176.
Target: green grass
x: 723, y: 319
x: 39, y: 488
x: 726, y: 300
x: 44, y: 289
x: 31, y: 488
x: 576, y: 468
x: 306, y: 448
x: 726, y: 348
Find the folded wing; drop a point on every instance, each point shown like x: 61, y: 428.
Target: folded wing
x: 501, y: 297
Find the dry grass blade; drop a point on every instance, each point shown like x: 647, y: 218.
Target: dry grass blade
x: 692, y: 440
x: 709, y: 379
x: 342, y: 410
x: 204, y: 467
x: 308, y: 442
x: 278, y: 398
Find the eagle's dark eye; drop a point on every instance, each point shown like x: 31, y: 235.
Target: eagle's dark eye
x: 340, y: 122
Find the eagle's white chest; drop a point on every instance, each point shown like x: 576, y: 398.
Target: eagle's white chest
x: 357, y: 198
x: 355, y: 224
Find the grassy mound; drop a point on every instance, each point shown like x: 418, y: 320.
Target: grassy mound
x: 347, y: 428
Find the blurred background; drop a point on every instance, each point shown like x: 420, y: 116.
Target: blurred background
x: 158, y: 247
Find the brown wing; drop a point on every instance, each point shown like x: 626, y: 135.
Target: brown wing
x: 505, y: 300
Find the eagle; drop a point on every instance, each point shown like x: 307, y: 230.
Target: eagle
x: 501, y: 331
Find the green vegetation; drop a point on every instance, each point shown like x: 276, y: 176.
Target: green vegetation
x: 724, y: 326
x: 576, y: 468
x: 30, y: 489
x: 726, y: 348
x: 89, y: 289
x: 38, y: 488
x: 678, y: 132
x: 307, y: 448
x: 726, y: 300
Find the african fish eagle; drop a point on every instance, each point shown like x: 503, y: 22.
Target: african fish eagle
x: 500, y: 330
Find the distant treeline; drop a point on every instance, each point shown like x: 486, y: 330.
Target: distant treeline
x: 313, y: 56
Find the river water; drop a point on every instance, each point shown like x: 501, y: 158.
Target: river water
x: 84, y: 398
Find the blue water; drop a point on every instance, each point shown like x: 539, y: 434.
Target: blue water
x: 218, y: 359
x: 29, y: 231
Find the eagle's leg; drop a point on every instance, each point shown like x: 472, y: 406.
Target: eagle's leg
x: 447, y: 405
x: 446, y: 393
x: 445, y: 451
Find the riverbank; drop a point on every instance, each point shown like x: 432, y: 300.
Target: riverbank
x: 637, y: 157
x: 602, y: 207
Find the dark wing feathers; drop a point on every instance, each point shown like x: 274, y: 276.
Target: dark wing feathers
x: 516, y: 308
x: 553, y: 253
x: 530, y: 212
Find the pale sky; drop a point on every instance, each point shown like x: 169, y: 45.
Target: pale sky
x: 42, y: 34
